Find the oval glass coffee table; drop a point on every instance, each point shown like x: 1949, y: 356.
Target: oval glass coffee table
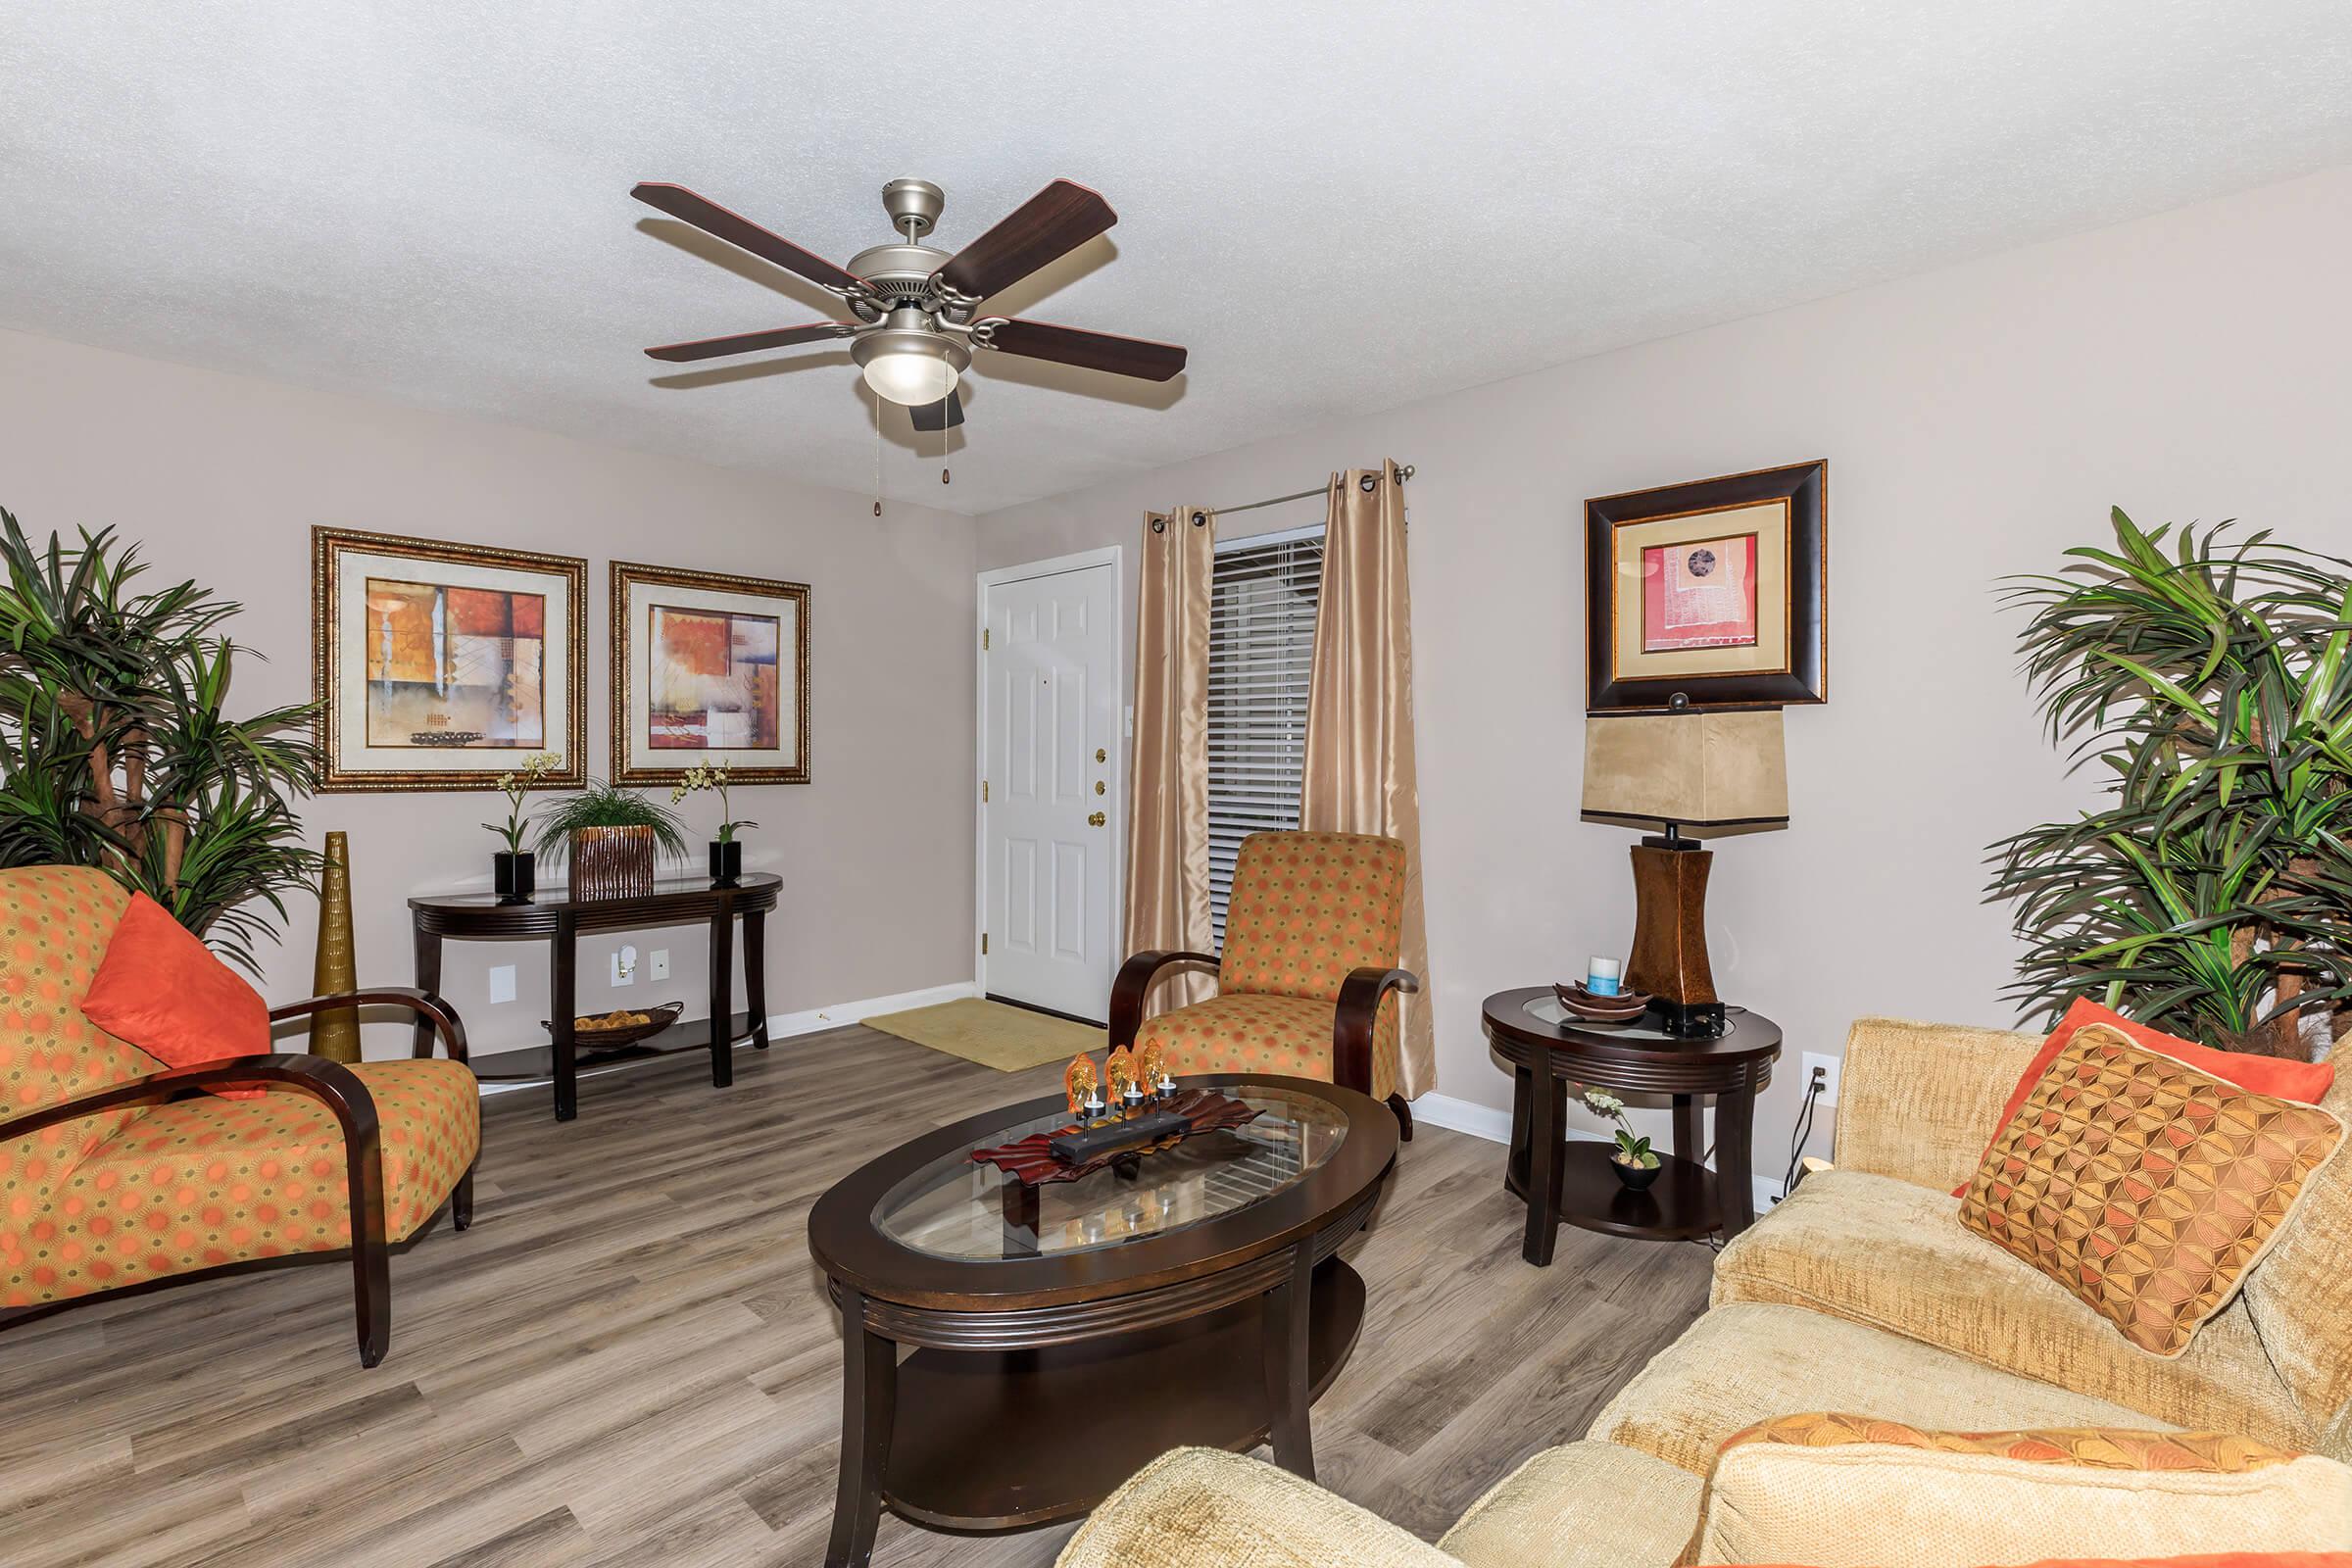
x: 1066, y: 1334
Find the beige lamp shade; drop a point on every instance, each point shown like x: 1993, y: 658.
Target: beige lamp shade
x: 1691, y: 770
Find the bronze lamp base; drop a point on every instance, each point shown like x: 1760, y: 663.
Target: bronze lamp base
x: 1669, y: 958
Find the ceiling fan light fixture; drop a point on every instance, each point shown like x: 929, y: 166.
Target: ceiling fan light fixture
x: 910, y: 365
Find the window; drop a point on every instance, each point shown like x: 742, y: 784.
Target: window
x: 1262, y: 637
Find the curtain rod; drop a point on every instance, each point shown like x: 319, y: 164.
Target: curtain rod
x: 1405, y: 470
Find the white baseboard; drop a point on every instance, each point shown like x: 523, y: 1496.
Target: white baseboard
x: 781, y: 1024
x: 1494, y: 1126
x: 784, y: 1025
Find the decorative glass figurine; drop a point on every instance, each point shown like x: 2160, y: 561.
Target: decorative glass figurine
x: 1118, y: 1078
x: 1078, y: 1083
x: 1149, y: 1059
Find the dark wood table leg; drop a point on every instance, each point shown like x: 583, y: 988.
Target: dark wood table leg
x: 428, y: 980
x: 563, y: 993
x: 1522, y: 1087
x: 870, y: 1385
x: 755, y: 973
x: 1286, y: 1315
x: 1543, y: 1108
x: 1734, y: 1180
x: 722, y: 998
x: 1689, y: 1130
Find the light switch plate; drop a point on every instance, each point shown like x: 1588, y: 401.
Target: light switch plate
x: 502, y: 982
x: 657, y: 966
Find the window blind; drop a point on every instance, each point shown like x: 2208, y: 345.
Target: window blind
x: 1261, y: 635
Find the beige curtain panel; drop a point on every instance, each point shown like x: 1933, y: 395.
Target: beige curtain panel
x: 1359, y: 718
x: 1167, y: 816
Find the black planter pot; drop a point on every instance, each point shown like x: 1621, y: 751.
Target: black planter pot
x: 726, y: 862
x: 514, y: 875
x: 1636, y: 1178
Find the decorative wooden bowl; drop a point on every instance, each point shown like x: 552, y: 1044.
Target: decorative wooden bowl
x: 1031, y: 1162
x: 1585, y: 1005
x: 609, y: 1036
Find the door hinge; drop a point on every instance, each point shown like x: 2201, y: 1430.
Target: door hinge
x: 983, y: 639
x: 984, y: 792
x: 984, y: 944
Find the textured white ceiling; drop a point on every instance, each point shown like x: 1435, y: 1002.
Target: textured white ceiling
x: 1337, y: 207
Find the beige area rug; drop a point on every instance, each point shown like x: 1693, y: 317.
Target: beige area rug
x: 992, y: 1033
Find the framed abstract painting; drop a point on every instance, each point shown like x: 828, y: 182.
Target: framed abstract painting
x: 1715, y: 591
x: 437, y: 667
x: 708, y: 667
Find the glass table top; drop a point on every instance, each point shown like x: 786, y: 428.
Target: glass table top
x: 1547, y: 1009
x: 955, y: 1207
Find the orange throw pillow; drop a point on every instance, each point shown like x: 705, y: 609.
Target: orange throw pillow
x: 2146, y: 1187
x: 2304, y: 1082
x: 160, y: 989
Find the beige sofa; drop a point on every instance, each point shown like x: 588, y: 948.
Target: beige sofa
x: 1861, y: 1293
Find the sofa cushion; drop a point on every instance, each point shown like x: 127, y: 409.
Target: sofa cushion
x: 1308, y: 907
x: 1891, y: 1255
x: 2143, y: 1184
x: 205, y: 1181
x: 1594, y: 1502
x: 1203, y: 1508
x: 1254, y: 1033
x: 1848, y: 1492
x: 163, y: 990
x: 1742, y: 1364
x: 54, y: 924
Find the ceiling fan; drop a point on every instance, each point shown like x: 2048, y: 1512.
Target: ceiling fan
x: 916, y: 305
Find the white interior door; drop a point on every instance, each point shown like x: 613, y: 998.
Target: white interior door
x: 1050, y: 827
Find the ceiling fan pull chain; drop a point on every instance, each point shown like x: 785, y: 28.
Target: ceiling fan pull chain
x: 877, y: 462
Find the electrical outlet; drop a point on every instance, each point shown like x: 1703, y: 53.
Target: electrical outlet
x: 625, y: 966
x: 657, y: 966
x: 502, y: 982
x: 1828, y: 1066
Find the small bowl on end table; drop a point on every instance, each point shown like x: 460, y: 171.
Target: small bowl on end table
x: 1592, y: 1007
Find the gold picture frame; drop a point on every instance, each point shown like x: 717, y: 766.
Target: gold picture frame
x: 707, y: 667
x: 437, y: 665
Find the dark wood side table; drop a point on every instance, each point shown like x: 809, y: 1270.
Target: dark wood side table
x: 557, y: 918
x: 1548, y: 1049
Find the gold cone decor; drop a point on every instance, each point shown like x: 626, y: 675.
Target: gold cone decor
x: 335, y: 1034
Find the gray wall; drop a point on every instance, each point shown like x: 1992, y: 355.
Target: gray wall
x: 221, y: 478
x: 1977, y: 421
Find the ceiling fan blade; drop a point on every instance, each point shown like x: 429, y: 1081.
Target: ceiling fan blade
x: 712, y: 219
x: 938, y: 416
x: 1092, y: 351
x: 783, y: 338
x: 1053, y: 222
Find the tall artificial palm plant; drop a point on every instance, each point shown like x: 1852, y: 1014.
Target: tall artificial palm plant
x: 115, y: 749
x: 2210, y: 893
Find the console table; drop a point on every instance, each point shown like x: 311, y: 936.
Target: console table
x: 1546, y: 1048
x: 557, y: 918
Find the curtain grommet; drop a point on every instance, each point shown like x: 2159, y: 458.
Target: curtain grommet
x: 1200, y: 519
x: 1159, y: 526
x: 1370, y: 482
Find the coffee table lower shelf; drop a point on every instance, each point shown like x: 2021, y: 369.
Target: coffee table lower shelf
x: 990, y: 1441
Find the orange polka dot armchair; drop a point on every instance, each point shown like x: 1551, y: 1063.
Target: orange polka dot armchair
x: 113, y: 1173
x: 1304, y: 985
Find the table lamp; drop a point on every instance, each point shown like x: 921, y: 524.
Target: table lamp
x: 1694, y: 770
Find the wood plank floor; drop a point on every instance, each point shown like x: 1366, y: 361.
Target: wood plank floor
x: 630, y: 1359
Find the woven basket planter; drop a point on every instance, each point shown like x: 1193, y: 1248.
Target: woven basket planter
x: 611, y: 863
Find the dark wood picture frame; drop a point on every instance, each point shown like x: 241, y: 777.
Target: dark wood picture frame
x: 1802, y: 675
x: 338, y: 774
x: 625, y: 574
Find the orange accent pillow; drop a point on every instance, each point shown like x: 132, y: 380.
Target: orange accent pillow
x: 2201, y: 1559
x: 2304, y: 1082
x: 160, y: 989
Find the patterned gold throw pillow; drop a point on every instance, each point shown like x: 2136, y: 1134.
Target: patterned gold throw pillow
x: 2145, y: 1187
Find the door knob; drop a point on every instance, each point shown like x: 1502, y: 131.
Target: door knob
x: 1097, y: 821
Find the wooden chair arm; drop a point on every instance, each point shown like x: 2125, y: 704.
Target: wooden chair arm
x: 1135, y: 979
x: 329, y: 1081
x: 1353, y: 1020
x: 445, y: 1020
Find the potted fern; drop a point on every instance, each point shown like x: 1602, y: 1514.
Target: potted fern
x: 612, y: 838
x: 2209, y: 894
x: 118, y: 750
